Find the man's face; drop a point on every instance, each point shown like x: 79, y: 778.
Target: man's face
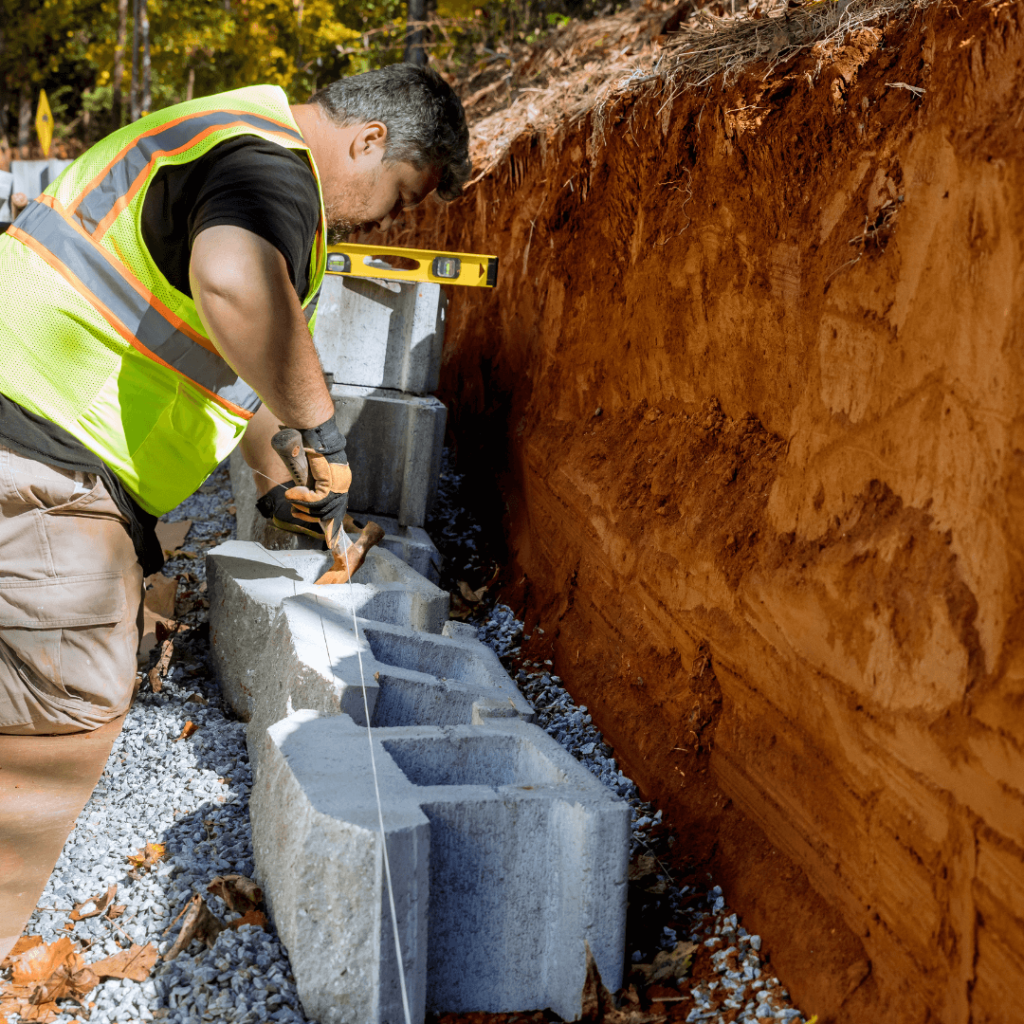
x: 374, y: 191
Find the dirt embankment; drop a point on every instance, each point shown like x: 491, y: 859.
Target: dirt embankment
x: 784, y: 563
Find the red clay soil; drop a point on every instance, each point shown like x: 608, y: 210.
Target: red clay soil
x: 783, y: 564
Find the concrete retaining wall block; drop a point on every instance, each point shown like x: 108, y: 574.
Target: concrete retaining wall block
x: 280, y: 643
x: 394, y: 449
x: 381, y: 334
x: 33, y: 176
x: 506, y: 856
x: 6, y: 188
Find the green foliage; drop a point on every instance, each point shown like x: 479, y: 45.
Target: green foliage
x: 68, y: 46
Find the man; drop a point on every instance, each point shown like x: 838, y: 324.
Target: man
x: 151, y: 300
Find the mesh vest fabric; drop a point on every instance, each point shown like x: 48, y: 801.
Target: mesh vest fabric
x: 96, y: 340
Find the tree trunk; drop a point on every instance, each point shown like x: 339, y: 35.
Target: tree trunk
x: 135, y: 61
x: 146, y: 76
x: 191, y: 87
x: 122, y: 38
x: 415, y: 33
x: 24, y: 120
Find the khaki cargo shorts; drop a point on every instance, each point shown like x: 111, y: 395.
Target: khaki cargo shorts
x: 70, y: 590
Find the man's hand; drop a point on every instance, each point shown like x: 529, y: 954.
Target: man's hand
x: 327, y: 500
x: 244, y: 295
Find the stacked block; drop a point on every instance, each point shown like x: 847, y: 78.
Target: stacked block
x: 380, y: 344
x: 507, y: 857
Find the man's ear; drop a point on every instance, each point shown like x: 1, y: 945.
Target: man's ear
x: 370, y: 140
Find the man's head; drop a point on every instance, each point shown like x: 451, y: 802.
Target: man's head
x: 404, y: 133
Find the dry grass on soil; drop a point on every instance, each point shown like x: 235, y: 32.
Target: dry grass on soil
x: 582, y: 68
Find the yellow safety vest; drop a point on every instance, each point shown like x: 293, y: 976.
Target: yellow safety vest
x: 92, y: 335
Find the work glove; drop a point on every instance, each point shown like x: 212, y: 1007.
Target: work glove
x: 275, y: 507
x: 327, y: 500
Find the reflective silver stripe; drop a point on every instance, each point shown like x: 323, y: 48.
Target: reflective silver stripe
x: 310, y: 307
x: 134, y: 160
x: 88, y: 263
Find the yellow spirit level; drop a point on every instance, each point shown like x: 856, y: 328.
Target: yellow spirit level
x: 396, y: 264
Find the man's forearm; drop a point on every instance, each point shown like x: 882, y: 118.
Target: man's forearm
x: 244, y: 296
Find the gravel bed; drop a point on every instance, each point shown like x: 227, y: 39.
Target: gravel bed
x: 192, y: 795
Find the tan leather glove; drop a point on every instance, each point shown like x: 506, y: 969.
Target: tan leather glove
x: 326, y: 501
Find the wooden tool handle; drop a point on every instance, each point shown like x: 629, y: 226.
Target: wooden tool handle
x: 287, y: 442
x: 346, y: 563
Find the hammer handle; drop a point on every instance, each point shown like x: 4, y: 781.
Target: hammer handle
x: 287, y: 442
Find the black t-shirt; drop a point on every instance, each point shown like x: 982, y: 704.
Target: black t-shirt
x: 245, y: 181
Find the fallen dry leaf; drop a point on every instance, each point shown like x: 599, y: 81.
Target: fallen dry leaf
x: 598, y: 1007
x: 200, y: 924
x: 134, y: 963
x: 95, y: 906
x: 669, y: 964
x: 41, y: 974
x: 188, y: 730
x: 471, y: 595
x: 172, y: 535
x: 157, y: 610
x: 256, y: 917
x: 145, y: 858
x: 241, y: 894
x: 22, y: 945
x: 38, y: 962
x: 115, y: 910
x: 459, y: 609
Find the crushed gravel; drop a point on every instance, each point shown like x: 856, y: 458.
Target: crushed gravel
x: 192, y: 795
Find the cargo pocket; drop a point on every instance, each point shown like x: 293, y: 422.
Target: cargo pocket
x: 73, y: 644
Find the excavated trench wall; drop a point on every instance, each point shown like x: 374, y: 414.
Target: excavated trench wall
x: 783, y: 566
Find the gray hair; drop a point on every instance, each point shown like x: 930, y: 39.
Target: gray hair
x: 425, y: 120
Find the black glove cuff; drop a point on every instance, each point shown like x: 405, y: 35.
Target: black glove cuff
x: 334, y: 506
x: 267, y: 505
x: 326, y: 440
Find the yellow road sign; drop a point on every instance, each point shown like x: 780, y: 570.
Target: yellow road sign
x: 397, y: 264
x: 44, y: 123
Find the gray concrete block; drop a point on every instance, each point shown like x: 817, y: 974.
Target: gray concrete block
x: 412, y: 544
x: 34, y: 176
x: 6, y: 188
x: 317, y: 843
x: 281, y: 643
x: 394, y: 444
x: 381, y: 334
x: 522, y: 863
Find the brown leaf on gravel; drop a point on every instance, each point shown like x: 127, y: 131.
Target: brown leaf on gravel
x: 200, y: 924
x: 190, y: 728
x: 145, y: 858
x: 41, y: 974
x: 256, y: 917
x: 22, y: 945
x: 115, y: 910
x: 669, y: 964
x: 95, y: 906
x: 134, y: 963
x: 598, y: 1007
x: 241, y: 894
x: 471, y: 595
x: 38, y: 962
x: 459, y: 609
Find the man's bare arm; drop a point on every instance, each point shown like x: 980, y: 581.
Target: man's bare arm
x: 244, y: 295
